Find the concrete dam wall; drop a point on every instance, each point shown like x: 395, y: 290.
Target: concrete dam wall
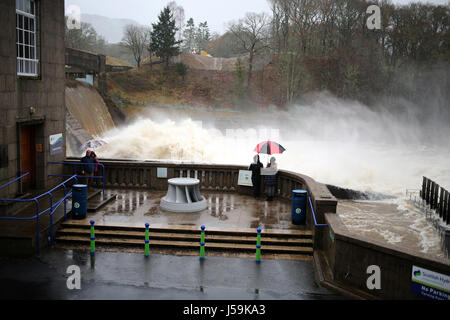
x: 87, y: 117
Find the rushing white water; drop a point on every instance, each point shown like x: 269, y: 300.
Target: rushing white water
x: 336, y: 142
x: 395, y: 221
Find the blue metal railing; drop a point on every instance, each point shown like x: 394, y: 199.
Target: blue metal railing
x: 51, y: 209
x: 314, y: 215
x: 17, y: 179
x: 80, y: 164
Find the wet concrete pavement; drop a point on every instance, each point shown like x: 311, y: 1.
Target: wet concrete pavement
x: 225, y: 210
x: 129, y: 276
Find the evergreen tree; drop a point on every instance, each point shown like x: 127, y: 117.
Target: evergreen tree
x: 189, y: 36
x: 203, y: 35
x: 163, y: 42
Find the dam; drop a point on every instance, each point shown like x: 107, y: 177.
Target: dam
x: 329, y: 141
x: 192, y: 144
x: 341, y: 238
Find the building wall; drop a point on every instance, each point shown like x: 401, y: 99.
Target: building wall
x: 44, y: 93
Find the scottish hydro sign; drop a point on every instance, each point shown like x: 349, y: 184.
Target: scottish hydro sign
x: 430, y: 284
x: 56, y: 144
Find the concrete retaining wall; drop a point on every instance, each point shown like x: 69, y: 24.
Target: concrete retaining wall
x: 349, y: 255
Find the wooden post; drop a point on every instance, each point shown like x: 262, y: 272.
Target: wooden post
x: 424, y: 187
x: 447, y: 207
x: 441, y: 203
x: 427, y: 192
x: 432, y: 195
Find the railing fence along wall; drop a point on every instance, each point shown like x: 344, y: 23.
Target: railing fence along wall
x: 223, y: 178
x: 437, y: 198
x: 54, y: 205
x: 435, y: 202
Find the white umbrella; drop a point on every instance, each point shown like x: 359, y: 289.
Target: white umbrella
x: 92, y: 144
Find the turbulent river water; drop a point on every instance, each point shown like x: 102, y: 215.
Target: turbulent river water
x: 336, y: 142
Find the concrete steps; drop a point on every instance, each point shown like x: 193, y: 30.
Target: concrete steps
x: 291, y: 244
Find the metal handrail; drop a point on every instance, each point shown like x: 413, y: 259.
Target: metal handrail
x: 314, y: 215
x: 52, y: 208
x: 17, y: 179
x: 79, y: 176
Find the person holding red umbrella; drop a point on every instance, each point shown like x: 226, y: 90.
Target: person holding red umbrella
x: 270, y: 172
x: 270, y: 178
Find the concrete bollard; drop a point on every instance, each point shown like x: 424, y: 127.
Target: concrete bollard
x: 202, y: 244
x: 92, y: 238
x: 147, y: 240
x: 258, y: 246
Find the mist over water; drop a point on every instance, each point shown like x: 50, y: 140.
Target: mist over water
x: 343, y: 143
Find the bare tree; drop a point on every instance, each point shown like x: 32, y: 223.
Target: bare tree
x: 252, y: 34
x: 179, y: 16
x: 136, y: 40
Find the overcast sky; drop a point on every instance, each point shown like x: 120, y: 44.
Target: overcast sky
x: 216, y: 12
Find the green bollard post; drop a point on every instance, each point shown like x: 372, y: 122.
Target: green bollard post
x: 202, y: 244
x: 147, y: 240
x: 92, y: 238
x: 258, y: 246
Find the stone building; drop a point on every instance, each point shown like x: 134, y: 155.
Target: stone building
x: 32, y: 101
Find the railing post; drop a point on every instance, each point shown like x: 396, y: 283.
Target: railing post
x: 37, y: 226
x: 447, y: 207
x: 65, y: 203
x: 103, y: 178
x: 147, y: 240
x: 258, y: 246
x: 447, y: 243
x: 427, y: 192
x: 92, y: 238
x: 202, y: 244
x: 51, y: 218
x: 424, y: 185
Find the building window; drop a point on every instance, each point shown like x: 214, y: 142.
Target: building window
x: 27, y: 62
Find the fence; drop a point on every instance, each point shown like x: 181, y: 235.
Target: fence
x: 434, y: 201
x: 15, y: 180
x: 75, y: 172
x: 437, y: 198
x: 52, y: 208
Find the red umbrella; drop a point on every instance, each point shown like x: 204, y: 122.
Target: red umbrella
x: 269, y: 147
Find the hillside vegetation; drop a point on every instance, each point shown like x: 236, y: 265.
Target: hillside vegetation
x: 205, y: 85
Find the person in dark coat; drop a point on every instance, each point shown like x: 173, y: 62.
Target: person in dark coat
x: 97, y: 161
x: 255, y: 168
x: 88, y: 166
